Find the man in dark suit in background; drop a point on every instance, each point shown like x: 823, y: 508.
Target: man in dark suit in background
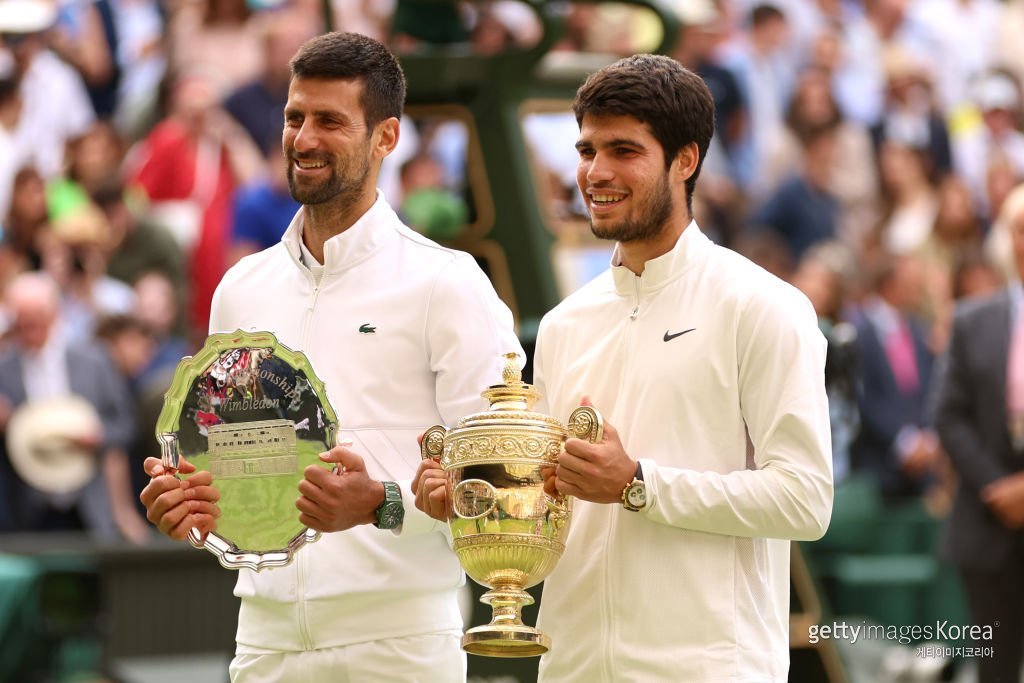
x: 40, y: 366
x: 895, y: 445
x: 980, y: 421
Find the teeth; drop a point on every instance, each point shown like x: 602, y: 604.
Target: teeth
x: 310, y: 164
x: 605, y: 198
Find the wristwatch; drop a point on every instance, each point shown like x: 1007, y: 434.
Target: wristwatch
x: 391, y: 512
x: 634, y: 496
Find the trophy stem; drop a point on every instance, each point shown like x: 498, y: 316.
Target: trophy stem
x: 506, y: 635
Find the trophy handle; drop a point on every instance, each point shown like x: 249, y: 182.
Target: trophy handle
x: 170, y: 455
x: 432, y: 443
x: 586, y: 423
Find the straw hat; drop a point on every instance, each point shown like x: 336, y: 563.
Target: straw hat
x: 40, y: 443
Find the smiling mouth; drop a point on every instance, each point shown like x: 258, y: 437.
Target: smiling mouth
x: 309, y: 165
x: 601, y: 200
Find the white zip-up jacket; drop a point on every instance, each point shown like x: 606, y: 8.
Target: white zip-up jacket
x: 438, y: 335
x: 712, y: 371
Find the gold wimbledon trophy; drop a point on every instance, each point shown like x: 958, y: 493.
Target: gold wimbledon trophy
x: 507, y: 532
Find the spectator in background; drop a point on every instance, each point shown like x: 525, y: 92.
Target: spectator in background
x: 43, y: 102
x: 803, y: 211
x: 956, y: 230
x: 910, y: 199
x: 91, y: 159
x: 131, y: 345
x: 134, y: 245
x: 824, y: 275
x: 77, y: 262
x: 910, y: 112
x: 427, y: 206
x: 26, y: 226
x: 860, y: 75
x: 991, y: 136
x: 980, y: 421
x: 975, y: 275
x: 942, y: 26
x: 851, y: 176
x: 86, y: 38
x: 216, y: 35
x: 189, y: 166
x: 158, y: 307
x: 895, y: 445
x: 764, y: 69
x: 262, y: 209
x: 998, y: 243
x: 700, y: 30
x: 258, y: 105
x: 41, y: 365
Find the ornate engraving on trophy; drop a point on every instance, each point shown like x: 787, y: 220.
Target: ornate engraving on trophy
x: 252, y: 449
x: 507, y: 531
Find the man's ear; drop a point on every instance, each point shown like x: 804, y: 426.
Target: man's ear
x: 385, y: 137
x: 686, y: 161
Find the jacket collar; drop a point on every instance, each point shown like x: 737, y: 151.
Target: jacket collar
x: 689, y: 249
x: 352, y: 246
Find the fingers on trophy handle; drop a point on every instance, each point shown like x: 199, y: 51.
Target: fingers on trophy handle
x: 587, y: 424
x: 432, y: 444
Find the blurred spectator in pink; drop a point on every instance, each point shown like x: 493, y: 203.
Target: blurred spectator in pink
x: 369, y: 17
x: 215, y: 35
x: 189, y: 166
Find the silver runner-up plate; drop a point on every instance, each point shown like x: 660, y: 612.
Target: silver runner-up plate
x: 250, y: 411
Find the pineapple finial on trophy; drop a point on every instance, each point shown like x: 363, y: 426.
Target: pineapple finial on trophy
x: 512, y: 372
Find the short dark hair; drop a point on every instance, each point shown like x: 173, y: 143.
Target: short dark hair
x: 658, y: 91
x: 351, y: 56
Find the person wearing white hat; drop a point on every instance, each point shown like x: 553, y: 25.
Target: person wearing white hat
x: 990, y: 134
x: 66, y: 417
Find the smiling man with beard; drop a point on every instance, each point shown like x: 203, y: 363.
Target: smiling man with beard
x: 712, y: 372
x: 404, y: 333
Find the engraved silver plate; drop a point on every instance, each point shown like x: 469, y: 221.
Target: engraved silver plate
x: 250, y: 411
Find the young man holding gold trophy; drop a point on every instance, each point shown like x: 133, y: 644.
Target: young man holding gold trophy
x: 403, y: 333
x: 709, y: 373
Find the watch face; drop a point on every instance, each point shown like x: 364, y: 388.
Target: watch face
x: 637, y: 495
x: 391, y: 515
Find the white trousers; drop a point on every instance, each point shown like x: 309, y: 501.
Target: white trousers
x: 430, y: 658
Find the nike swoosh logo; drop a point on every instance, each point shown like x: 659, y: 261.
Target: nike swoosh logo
x: 670, y: 337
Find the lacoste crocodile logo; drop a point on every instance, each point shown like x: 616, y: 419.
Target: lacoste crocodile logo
x: 670, y: 337
x: 367, y: 328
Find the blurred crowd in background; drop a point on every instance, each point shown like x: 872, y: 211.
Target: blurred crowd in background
x: 870, y: 152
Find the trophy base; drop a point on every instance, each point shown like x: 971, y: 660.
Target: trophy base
x: 508, y: 640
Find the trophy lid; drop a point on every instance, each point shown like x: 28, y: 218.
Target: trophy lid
x: 512, y: 400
